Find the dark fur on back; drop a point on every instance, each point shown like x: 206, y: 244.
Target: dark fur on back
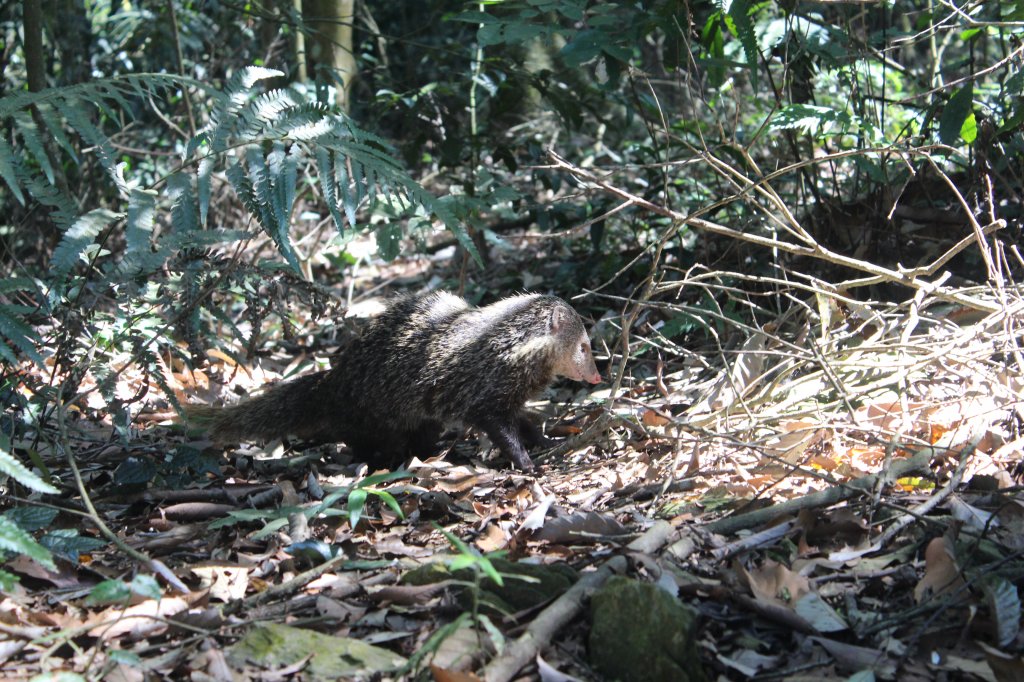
x: 425, y: 362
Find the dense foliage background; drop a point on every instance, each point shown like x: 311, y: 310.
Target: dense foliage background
x: 182, y: 180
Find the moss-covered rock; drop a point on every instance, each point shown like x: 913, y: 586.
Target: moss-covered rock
x: 271, y: 646
x: 641, y: 633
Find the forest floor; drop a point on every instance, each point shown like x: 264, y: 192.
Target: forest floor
x: 833, y: 497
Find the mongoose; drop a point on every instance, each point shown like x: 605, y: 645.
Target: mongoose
x: 425, y: 362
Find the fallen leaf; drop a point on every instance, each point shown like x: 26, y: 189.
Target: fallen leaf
x: 941, y: 573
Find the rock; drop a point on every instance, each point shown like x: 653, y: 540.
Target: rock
x: 640, y: 633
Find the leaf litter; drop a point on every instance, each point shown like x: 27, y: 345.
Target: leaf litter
x: 848, y: 495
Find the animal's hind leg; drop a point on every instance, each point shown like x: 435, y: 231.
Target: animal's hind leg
x: 422, y: 441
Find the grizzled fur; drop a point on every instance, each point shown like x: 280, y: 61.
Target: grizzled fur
x: 427, y: 361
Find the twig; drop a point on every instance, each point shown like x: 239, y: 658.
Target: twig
x: 754, y: 541
x: 286, y: 588
x: 909, y: 277
x: 181, y: 66
x: 844, y: 491
x: 933, y: 501
x: 155, y: 565
x: 520, y: 652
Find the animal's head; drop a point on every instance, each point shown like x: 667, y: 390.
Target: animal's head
x: 574, y: 358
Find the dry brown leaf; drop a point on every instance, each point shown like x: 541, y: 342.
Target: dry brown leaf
x: 852, y: 658
x: 407, y: 595
x: 142, y: 620
x: 744, y: 375
x: 444, y: 675
x: 580, y: 527
x: 890, y: 416
x: 1005, y: 667
x: 654, y: 418
x: 773, y: 583
x: 941, y: 573
x: 492, y: 539
x: 226, y: 582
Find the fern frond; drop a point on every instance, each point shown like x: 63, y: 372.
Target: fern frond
x: 327, y: 184
x: 236, y: 95
x: 242, y: 185
x: 738, y: 20
x: 259, y: 174
x: 75, y: 114
x: 15, y: 331
x: 272, y: 214
x: 10, y: 466
x: 349, y: 200
x: 78, y: 238
x: 112, y: 94
x: 55, y: 126
x: 156, y: 368
x: 139, y: 255
x: 265, y: 110
x: 183, y: 208
x: 26, y: 129
x: 8, y: 163
x: 313, y: 130
x: 65, y: 210
x: 304, y: 120
x: 204, y: 187
x: 283, y: 186
x: 10, y: 284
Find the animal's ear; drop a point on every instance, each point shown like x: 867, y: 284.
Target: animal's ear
x: 559, y: 318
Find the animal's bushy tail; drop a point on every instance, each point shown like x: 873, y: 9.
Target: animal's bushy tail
x: 288, y: 408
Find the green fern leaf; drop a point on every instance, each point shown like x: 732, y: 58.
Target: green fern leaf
x: 8, y: 163
x: 289, y: 180
x: 154, y: 366
x: 259, y: 175
x: 19, y: 333
x: 111, y: 92
x: 65, y: 210
x: 348, y: 185
x: 250, y: 75
x: 305, y: 121
x: 29, y: 134
x: 265, y: 111
x: 202, y: 138
x: 14, y: 539
x: 11, y: 284
x: 236, y: 95
x: 55, y: 126
x: 78, y: 237
x: 8, y: 354
x: 204, y: 187
x: 738, y: 21
x: 183, y: 208
x: 327, y: 180
x: 307, y: 131
x: 273, y: 216
x: 370, y: 180
x: 283, y: 189
x: 139, y: 255
x: 76, y: 115
x: 243, y: 187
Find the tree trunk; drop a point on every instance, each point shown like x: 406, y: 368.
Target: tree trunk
x: 35, y: 61
x: 332, y: 53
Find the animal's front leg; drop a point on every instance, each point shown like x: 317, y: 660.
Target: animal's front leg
x: 532, y: 435
x: 507, y: 436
